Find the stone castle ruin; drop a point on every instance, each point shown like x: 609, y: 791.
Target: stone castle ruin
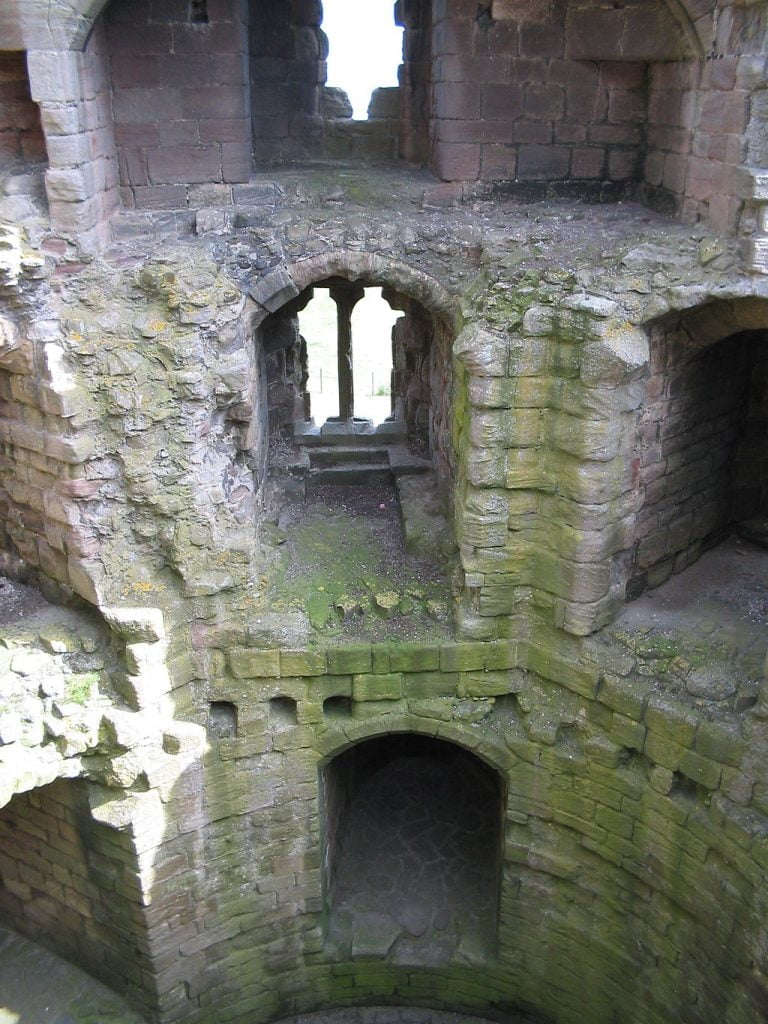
x: 461, y: 714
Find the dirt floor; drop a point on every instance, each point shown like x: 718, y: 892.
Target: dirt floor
x: 18, y: 600
x: 709, y: 623
x: 338, y: 569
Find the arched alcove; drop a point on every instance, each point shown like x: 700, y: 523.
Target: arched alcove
x: 702, y: 431
x: 412, y: 851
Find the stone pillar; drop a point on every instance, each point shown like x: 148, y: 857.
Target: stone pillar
x: 346, y: 295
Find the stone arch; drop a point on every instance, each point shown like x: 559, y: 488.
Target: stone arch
x: 279, y: 286
x: 490, y: 749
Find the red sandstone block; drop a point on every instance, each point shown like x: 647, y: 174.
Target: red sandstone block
x: 460, y: 100
x: 724, y: 111
x: 502, y: 102
x: 216, y: 37
x: 188, y: 69
x: 623, y: 164
x: 651, y: 34
x: 180, y: 133
x: 586, y: 103
x: 146, y: 134
x: 675, y: 166
x: 138, y: 71
x: 543, y: 162
x: 498, y: 163
x: 142, y: 106
x: 225, y: 101
x: 230, y: 69
x: 160, y: 197
x: 626, y: 106
x: 502, y: 39
x: 457, y: 162
x: 624, y: 75
x: 673, y: 140
x: 541, y: 41
x: 619, y: 134
x: 133, y: 167
x: 588, y: 163
x: 236, y: 161
x: 133, y: 37
x: 536, y: 132
x: 475, y: 131
x: 526, y: 69
x: 452, y: 36
x: 594, y: 34
x: 185, y: 164
x: 654, y: 168
x: 570, y: 133
x: 471, y: 69
x: 225, y: 130
x: 33, y: 146
x: 544, y: 101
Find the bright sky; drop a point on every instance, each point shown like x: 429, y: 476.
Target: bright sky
x: 366, y: 48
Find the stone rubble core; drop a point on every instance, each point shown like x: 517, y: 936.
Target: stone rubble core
x: 230, y: 736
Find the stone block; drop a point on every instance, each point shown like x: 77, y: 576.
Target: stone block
x: 594, y: 34
x: 302, y: 663
x: 274, y: 289
x: 544, y: 102
x: 349, y: 660
x: 543, y: 163
x: 485, y: 684
x: 502, y: 102
x: 414, y: 657
x: 701, y: 770
x: 457, y: 100
x: 671, y: 720
x: 541, y: 40
x: 720, y: 742
x: 248, y: 663
x: 185, y: 165
x: 425, y: 685
x: 377, y: 687
x: 457, y: 657
x: 457, y: 161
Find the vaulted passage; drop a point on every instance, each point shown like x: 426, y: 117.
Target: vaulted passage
x: 412, y: 852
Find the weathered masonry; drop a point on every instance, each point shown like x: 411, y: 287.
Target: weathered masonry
x: 467, y: 711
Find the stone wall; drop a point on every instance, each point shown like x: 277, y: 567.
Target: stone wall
x: 550, y: 94
x: 627, y: 835
x: 415, y: 78
x: 67, y: 884
x: 21, y: 135
x: 287, y: 71
x: 73, y: 91
x: 180, y: 100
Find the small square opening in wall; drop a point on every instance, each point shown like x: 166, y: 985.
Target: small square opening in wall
x: 337, y: 707
x: 198, y: 12
x: 282, y: 712
x: 222, y: 720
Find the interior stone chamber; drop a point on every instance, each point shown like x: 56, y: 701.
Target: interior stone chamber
x: 260, y: 761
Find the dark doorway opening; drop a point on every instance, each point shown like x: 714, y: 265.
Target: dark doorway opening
x: 412, y: 852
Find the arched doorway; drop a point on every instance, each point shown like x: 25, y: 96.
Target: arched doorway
x: 412, y: 851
